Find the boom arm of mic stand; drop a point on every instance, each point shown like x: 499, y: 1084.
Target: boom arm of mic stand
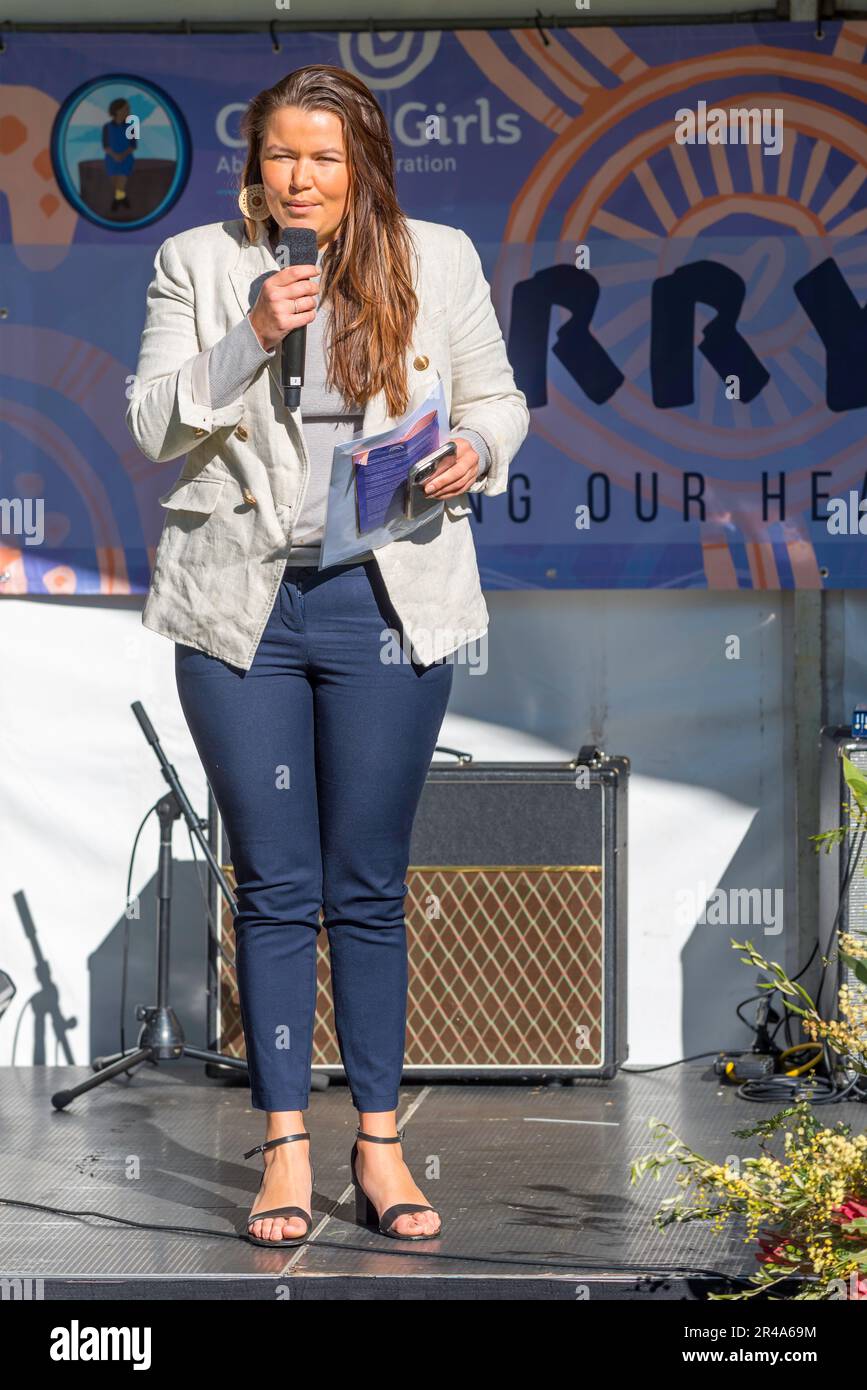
x: 187, y: 811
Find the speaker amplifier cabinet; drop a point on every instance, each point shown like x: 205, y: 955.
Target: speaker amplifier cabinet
x: 516, y: 926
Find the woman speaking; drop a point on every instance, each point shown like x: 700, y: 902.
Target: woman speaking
x: 315, y: 740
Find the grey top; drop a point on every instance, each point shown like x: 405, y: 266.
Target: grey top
x: 327, y: 420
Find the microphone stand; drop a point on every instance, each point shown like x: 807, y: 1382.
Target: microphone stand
x: 162, y: 1037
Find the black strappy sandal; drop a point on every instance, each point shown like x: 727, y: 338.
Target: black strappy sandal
x: 281, y: 1211
x: 365, y: 1211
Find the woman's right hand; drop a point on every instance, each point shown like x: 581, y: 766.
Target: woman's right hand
x: 286, y: 300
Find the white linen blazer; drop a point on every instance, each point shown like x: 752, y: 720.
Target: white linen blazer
x: 229, y: 513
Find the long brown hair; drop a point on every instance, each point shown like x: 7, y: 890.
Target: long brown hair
x: 366, y: 267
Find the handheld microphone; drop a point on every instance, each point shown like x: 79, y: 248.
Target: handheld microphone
x: 297, y: 246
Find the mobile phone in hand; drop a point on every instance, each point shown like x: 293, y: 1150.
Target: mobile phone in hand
x: 416, y: 500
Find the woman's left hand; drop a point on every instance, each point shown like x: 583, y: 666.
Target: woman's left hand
x: 461, y: 470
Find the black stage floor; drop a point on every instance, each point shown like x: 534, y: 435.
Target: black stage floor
x: 534, y: 1190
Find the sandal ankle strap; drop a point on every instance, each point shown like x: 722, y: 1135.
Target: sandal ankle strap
x: 271, y: 1143
x: 380, y: 1139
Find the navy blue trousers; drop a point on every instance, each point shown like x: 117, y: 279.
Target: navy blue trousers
x: 317, y: 757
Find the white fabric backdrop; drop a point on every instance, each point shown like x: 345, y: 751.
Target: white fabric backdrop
x: 638, y: 673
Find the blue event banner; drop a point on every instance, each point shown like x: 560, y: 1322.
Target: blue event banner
x: 672, y: 221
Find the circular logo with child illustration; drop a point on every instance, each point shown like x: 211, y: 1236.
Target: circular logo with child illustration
x: 120, y: 149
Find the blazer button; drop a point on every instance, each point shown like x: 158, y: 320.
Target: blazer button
x: 420, y: 363
x: 241, y: 432
x: 199, y: 433
x: 249, y: 498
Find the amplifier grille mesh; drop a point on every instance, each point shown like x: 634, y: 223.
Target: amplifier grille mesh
x: 505, y: 970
